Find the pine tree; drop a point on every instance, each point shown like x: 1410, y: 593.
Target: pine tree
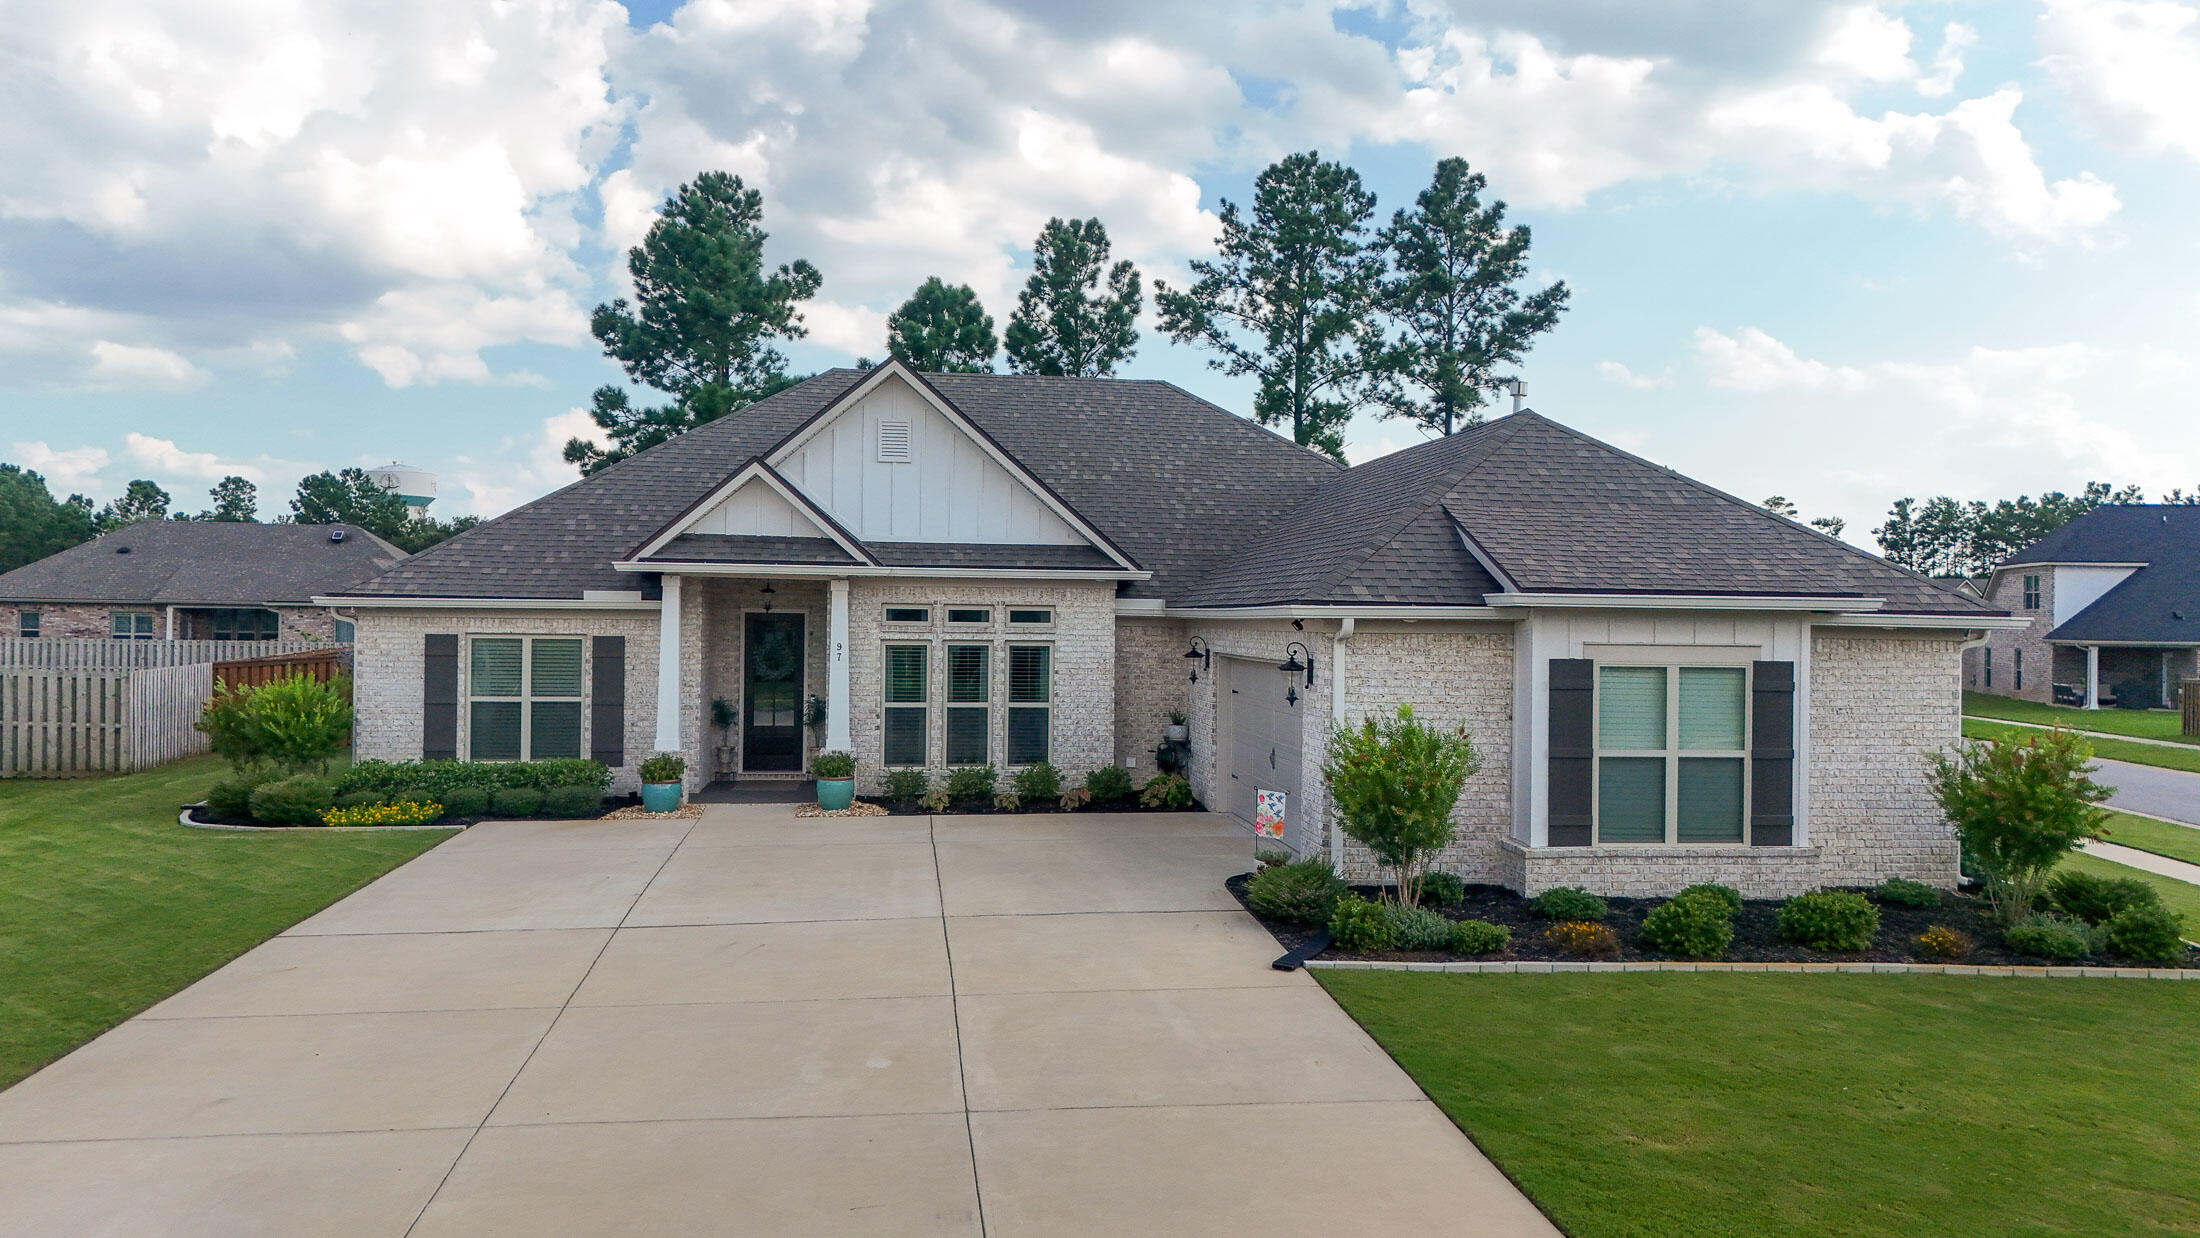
x: 349, y: 497
x: 141, y: 500
x: 703, y: 323
x: 1454, y: 294
x: 1291, y: 298
x: 1063, y: 323
x: 235, y: 499
x: 942, y: 328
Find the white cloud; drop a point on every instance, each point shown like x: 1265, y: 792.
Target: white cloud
x: 525, y: 467
x: 1955, y: 40
x: 1617, y: 372
x: 165, y: 457
x: 134, y: 365
x: 1869, y: 43
x: 2133, y: 65
x: 1755, y: 361
x: 65, y: 469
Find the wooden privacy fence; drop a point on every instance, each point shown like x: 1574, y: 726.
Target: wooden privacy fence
x: 66, y: 723
x: 324, y: 664
x: 2192, y: 707
x: 91, y: 654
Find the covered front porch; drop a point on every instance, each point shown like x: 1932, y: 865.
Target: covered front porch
x: 753, y: 690
x: 2123, y: 676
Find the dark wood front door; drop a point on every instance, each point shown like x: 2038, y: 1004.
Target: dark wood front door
x: 771, y: 693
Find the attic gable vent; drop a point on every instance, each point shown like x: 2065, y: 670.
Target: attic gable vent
x: 894, y: 443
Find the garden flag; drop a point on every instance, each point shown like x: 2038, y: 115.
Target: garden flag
x: 1268, y: 813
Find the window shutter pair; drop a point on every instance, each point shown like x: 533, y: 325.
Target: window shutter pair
x: 439, y: 699
x: 1572, y: 761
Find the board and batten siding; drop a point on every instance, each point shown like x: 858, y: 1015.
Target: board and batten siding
x: 756, y: 510
x: 950, y: 489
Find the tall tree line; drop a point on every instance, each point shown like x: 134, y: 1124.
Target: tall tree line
x: 1946, y: 536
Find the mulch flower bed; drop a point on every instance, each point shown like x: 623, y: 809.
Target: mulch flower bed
x: 1128, y: 803
x: 1756, y: 933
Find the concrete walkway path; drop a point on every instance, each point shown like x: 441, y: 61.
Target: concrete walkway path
x: 756, y: 1024
x: 2160, y: 865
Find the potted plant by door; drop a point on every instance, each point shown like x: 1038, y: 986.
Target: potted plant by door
x: 836, y: 779
x: 661, y: 776
x: 722, y: 716
x: 1179, y: 728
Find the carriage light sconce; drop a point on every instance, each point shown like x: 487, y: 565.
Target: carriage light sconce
x: 768, y: 592
x: 1199, y: 653
x: 1292, y: 668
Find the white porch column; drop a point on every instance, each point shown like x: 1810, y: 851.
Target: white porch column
x: 2092, y: 676
x: 836, y: 670
x: 668, y: 667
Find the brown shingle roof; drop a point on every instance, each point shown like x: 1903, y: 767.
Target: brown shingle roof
x: 204, y: 563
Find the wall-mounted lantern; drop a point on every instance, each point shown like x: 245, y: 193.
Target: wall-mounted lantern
x: 1199, y: 653
x: 768, y: 592
x: 1292, y: 668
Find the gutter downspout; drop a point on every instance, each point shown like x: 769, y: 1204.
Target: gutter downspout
x: 1336, y: 716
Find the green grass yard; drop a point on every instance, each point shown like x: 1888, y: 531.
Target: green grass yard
x: 2103, y: 746
x: 107, y: 905
x: 2144, y: 723
x: 1704, y: 1105
x: 2178, y: 842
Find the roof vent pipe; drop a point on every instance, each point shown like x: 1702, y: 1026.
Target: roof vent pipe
x: 1519, y: 390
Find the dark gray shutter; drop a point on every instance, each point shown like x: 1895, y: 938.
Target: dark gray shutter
x: 439, y: 699
x: 1573, y: 750
x: 607, y: 701
x: 1772, y: 754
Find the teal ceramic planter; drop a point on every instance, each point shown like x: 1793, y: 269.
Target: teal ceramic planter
x: 660, y: 796
x: 834, y: 794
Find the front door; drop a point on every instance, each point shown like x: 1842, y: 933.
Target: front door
x: 771, y: 693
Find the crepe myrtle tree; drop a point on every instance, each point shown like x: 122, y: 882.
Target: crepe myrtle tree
x: 2019, y: 809
x: 1394, y: 782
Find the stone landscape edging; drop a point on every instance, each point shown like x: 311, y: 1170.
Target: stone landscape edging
x: 1536, y: 967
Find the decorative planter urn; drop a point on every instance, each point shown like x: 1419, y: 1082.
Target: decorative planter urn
x: 660, y: 796
x: 834, y: 794
x: 1175, y: 734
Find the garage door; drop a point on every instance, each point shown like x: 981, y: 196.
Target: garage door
x: 1263, y: 739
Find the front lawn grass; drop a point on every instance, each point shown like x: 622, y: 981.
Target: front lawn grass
x: 2178, y: 842
x: 2103, y: 746
x: 107, y: 905
x: 2144, y: 723
x: 1706, y: 1105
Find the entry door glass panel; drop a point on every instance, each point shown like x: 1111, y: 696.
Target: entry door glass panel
x: 771, y: 693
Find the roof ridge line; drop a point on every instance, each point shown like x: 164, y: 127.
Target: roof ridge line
x: 1430, y: 496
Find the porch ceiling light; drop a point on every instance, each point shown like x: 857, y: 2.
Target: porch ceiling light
x: 1199, y: 653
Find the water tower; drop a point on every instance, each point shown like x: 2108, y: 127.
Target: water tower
x: 417, y: 488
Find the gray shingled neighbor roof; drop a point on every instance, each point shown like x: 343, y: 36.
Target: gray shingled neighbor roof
x: 203, y: 563
x: 2157, y: 604
x: 1226, y: 514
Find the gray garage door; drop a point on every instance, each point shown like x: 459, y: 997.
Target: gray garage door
x: 1263, y: 738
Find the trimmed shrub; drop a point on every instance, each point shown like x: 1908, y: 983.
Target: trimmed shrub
x: 907, y: 786
x: 1479, y: 937
x: 2148, y: 933
x: 1109, y: 782
x: 467, y: 801
x: 360, y: 799
x: 1690, y: 926
x: 1585, y: 938
x: 1943, y: 943
x: 516, y: 802
x: 2050, y: 937
x: 1394, y: 782
x: 1418, y: 928
x: 1903, y: 892
x: 297, y: 800
x: 437, y: 779
x: 1726, y: 896
x: 296, y: 723
x: 1568, y: 903
x: 1167, y: 791
x: 1836, y: 921
x: 1356, y: 924
x: 2097, y: 900
x: 1305, y: 892
x: 571, y: 802
x: 1443, y: 889
x: 1039, y: 782
x: 230, y: 799
x: 970, y: 782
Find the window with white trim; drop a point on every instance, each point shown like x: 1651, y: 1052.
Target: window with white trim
x: 28, y: 623
x: 1031, y: 616
x: 908, y: 614
x: 1030, y: 704
x: 1989, y: 666
x: 132, y: 625
x: 904, y: 724
x: 2018, y: 670
x: 2031, y: 593
x: 969, y: 614
x: 524, y: 697
x: 969, y: 704
x: 1672, y: 753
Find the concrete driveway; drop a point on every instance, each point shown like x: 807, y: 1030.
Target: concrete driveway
x: 756, y: 1024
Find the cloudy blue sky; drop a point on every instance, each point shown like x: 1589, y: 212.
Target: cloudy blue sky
x: 1837, y: 251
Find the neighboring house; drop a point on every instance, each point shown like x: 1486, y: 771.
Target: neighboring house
x: 194, y: 580
x: 1666, y: 684
x: 2112, y: 600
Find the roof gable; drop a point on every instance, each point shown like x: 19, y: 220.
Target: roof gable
x: 756, y: 503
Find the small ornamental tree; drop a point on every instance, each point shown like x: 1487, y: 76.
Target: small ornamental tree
x: 296, y: 724
x: 2019, y: 808
x: 1394, y: 782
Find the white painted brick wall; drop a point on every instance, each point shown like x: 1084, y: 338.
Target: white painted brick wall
x: 1150, y: 680
x: 1879, y: 705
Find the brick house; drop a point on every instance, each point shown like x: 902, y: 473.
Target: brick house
x: 194, y: 580
x: 2110, y: 600
x: 1666, y: 684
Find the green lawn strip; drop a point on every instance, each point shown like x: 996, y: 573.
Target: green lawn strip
x: 2182, y: 897
x: 2144, y: 723
x: 1704, y: 1105
x: 107, y: 905
x: 2103, y: 746
x: 2178, y: 842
